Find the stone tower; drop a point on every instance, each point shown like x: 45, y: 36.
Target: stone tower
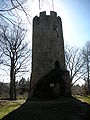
x: 47, y: 46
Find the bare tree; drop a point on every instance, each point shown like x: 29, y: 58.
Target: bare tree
x: 1, y: 61
x: 86, y: 60
x: 74, y: 63
x: 9, y: 9
x: 16, y: 53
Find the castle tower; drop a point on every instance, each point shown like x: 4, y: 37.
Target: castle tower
x: 47, y: 45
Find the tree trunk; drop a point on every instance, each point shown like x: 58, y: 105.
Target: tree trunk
x: 88, y: 86
x: 14, y: 87
x: 88, y: 80
x: 12, y: 81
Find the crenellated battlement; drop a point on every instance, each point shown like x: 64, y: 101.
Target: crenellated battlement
x: 42, y: 14
x: 43, y: 17
x: 52, y: 14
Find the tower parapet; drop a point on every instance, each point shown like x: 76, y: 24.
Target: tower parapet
x: 53, y: 14
x: 42, y: 13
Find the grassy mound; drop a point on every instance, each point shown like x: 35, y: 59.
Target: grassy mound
x: 7, y: 106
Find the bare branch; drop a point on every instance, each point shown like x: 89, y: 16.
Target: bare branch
x: 74, y: 63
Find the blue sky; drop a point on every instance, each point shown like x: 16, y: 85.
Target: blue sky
x: 75, y: 16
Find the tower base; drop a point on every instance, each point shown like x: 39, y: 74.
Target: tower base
x: 53, y: 85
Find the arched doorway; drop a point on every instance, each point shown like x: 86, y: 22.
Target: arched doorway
x: 57, y: 64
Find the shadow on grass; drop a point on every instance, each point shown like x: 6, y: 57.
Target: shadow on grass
x: 60, y: 109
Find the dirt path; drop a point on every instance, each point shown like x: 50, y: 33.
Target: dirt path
x: 62, y: 109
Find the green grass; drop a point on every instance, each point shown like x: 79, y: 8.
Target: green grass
x: 83, y: 98
x: 7, y: 106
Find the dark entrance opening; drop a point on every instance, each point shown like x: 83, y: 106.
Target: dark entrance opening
x: 57, y: 64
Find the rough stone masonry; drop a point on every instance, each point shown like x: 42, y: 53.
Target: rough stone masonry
x: 49, y: 77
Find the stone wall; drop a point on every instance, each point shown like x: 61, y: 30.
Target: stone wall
x: 48, y: 54
x: 47, y: 44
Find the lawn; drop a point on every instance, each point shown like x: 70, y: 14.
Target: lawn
x: 6, y: 106
x: 83, y: 98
